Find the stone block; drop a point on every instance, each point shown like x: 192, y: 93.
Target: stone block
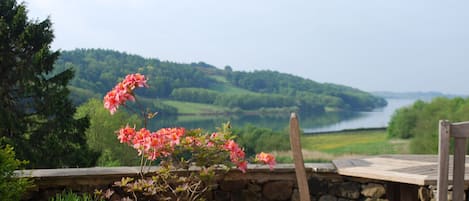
x: 317, y: 187
x: 278, y: 190
x: 233, y: 185
x: 328, y: 198
x: 295, y: 195
x: 254, y: 187
x: 251, y: 195
x: 222, y: 196
x: 375, y: 199
x: 350, y: 190
x: 425, y: 194
x: 373, y: 190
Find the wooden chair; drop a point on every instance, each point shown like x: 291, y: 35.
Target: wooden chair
x: 460, y: 132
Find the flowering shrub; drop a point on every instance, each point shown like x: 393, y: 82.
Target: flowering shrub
x: 174, y: 148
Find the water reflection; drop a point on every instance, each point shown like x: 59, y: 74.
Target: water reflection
x: 275, y: 122
x: 322, y: 122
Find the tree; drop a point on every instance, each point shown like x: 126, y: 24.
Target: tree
x: 100, y: 135
x: 36, y: 116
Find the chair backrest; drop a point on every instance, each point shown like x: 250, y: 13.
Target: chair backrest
x: 460, y: 132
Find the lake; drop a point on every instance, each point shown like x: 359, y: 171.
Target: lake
x: 325, y: 122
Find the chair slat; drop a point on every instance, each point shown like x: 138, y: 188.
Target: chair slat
x: 443, y: 161
x: 458, y: 172
x: 460, y: 129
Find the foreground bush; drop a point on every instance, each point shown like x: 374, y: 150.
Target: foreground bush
x: 11, y: 187
x: 174, y: 149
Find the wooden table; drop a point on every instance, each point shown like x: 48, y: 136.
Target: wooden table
x: 404, y: 172
x: 410, y: 169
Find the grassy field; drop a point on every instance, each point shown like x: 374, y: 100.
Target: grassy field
x: 228, y: 87
x: 194, y: 108
x: 326, y: 147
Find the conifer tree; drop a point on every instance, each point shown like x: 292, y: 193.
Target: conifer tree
x: 36, y: 116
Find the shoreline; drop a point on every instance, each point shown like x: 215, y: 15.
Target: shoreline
x: 346, y: 131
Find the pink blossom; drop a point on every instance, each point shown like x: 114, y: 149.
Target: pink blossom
x: 140, y: 140
x: 133, y: 81
x: 110, y: 101
x: 214, y: 135
x: 123, y: 91
x: 126, y: 134
x: 243, y: 166
x: 266, y: 159
x: 236, y: 154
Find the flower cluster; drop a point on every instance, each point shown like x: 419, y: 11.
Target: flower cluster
x: 266, y: 158
x: 123, y: 91
x: 236, y: 155
x: 176, y: 147
x: 151, y: 144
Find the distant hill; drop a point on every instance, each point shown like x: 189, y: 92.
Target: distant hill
x: 413, y: 95
x: 171, y: 84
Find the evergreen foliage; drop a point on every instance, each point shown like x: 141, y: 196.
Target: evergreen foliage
x: 36, y: 116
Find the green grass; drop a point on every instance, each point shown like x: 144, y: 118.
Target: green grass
x: 355, y: 143
x: 219, y: 78
x: 227, y: 87
x: 327, y: 147
x: 194, y: 108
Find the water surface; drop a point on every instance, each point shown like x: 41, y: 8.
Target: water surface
x: 323, y: 122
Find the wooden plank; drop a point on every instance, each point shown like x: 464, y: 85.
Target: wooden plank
x: 298, y: 158
x: 411, y: 169
x: 458, y: 172
x: 443, y: 161
x: 383, y: 175
x: 460, y: 129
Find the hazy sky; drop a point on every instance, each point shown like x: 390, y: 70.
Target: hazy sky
x: 394, y: 45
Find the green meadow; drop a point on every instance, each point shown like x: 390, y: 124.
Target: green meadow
x: 330, y: 146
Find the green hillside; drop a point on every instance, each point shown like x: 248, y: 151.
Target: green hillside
x: 98, y: 70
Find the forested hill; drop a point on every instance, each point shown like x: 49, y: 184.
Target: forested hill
x: 97, y: 71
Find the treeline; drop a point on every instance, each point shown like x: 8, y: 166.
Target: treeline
x: 97, y: 71
x: 419, y: 122
x: 331, y: 95
x: 254, y: 101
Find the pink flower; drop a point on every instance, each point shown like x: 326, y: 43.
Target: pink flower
x: 192, y: 141
x: 110, y: 101
x: 236, y: 154
x: 266, y: 159
x: 133, y: 81
x: 214, y: 135
x: 140, y: 140
x: 172, y: 136
x: 126, y: 134
x: 211, y: 139
x: 123, y: 91
x: 243, y: 166
x: 157, y: 144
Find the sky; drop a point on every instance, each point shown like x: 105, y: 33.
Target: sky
x: 373, y: 45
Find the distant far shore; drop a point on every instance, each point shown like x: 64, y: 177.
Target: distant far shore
x: 346, y: 131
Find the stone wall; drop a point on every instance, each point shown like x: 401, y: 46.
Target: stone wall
x: 257, y: 184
